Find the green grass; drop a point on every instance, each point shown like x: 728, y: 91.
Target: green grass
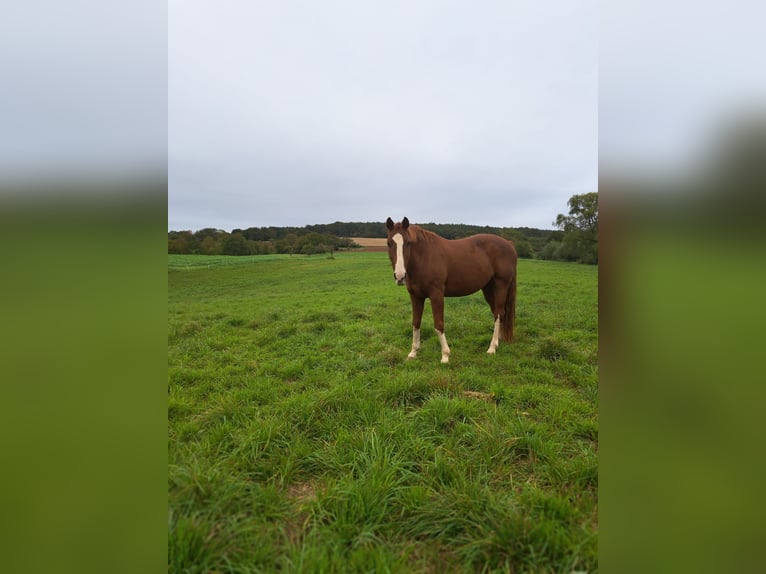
x: 302, y: 440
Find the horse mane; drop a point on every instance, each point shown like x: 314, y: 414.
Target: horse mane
x: 421, y: 234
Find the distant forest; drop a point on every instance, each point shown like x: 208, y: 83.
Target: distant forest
x: 324, y: 238
x: 575, y: 240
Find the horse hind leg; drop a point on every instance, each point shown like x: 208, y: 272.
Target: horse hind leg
x: 495, y: 338
x: 495, y: 297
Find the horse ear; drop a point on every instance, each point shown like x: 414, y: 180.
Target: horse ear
x: 390, y: 223
x: 405, y: 223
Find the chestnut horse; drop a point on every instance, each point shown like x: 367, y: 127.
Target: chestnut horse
x: 433, y: 268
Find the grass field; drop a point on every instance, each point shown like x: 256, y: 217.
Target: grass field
x: 302, y: 440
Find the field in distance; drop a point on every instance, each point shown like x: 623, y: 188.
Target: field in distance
x: 371, y: 243
x: 302, y: 439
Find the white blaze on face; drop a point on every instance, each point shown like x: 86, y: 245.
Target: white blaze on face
x: 399, y: 270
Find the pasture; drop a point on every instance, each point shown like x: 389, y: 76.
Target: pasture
x: 302, y: 440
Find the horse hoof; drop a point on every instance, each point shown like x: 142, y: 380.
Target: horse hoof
x: 411, y: 356
x: 491, y: 352
x: 445, y: 359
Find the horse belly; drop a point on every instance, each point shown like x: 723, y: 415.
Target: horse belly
x: 467, y: 281
x: 461, y: 290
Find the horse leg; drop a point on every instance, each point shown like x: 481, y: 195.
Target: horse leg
x: 417, y: 316
x: 495, y: 338
x: 489, y: 295
x: 495, y: 293
x: 437, y: 306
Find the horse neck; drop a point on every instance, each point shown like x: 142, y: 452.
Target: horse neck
x: 424, y: 242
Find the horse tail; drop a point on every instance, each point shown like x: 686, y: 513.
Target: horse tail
x: 510, y: 311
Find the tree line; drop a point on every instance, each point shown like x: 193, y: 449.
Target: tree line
x: 211, y: 241
x: 575, y: 240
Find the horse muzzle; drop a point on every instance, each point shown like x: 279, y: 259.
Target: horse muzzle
x: 400, y: 280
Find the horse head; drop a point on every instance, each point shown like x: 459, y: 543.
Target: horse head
x: 399, y: 246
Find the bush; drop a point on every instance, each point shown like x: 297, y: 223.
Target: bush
x: 551, y: 250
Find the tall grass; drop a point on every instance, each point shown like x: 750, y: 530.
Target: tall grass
x: 301, y: 439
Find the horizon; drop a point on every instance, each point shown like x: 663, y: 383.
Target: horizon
x: 382, y: 223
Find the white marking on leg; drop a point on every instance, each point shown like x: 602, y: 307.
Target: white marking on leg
x: 415, y: 343
x: 495, y: 338
x: 399, y: 270
x: 445, y: 346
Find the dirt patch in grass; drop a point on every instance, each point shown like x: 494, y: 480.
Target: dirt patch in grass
x: 302, y: 492
x: 432, y: 558
x: 489, y: 397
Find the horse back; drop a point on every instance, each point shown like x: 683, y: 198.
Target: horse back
x: 473, y: 261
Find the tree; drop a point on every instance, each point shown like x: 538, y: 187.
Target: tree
x: 235, y: 244
x: 580, y: 227
x: 523, y: 246
x: 551, y: 250
x: 211, y: 246
x: 183, y: 242
x: 209, y: 232
x: 288, y: 244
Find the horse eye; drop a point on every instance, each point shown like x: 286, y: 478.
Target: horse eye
x: 390, y: 243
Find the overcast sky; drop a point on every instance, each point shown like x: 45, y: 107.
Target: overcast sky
x: 303, y: 112
x: 299, y: 112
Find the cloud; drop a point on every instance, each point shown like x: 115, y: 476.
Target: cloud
x: 298, y: 113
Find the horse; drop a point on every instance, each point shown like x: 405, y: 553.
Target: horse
x: 433, y: 267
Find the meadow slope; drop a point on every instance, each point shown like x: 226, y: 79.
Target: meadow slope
x: 302, y: 440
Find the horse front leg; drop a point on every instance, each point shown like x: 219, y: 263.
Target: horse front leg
x: 417, y: 315
x: 437, y: 306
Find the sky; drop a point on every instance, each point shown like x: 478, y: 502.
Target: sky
x: 299, y: 112
x: 302, y: 112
